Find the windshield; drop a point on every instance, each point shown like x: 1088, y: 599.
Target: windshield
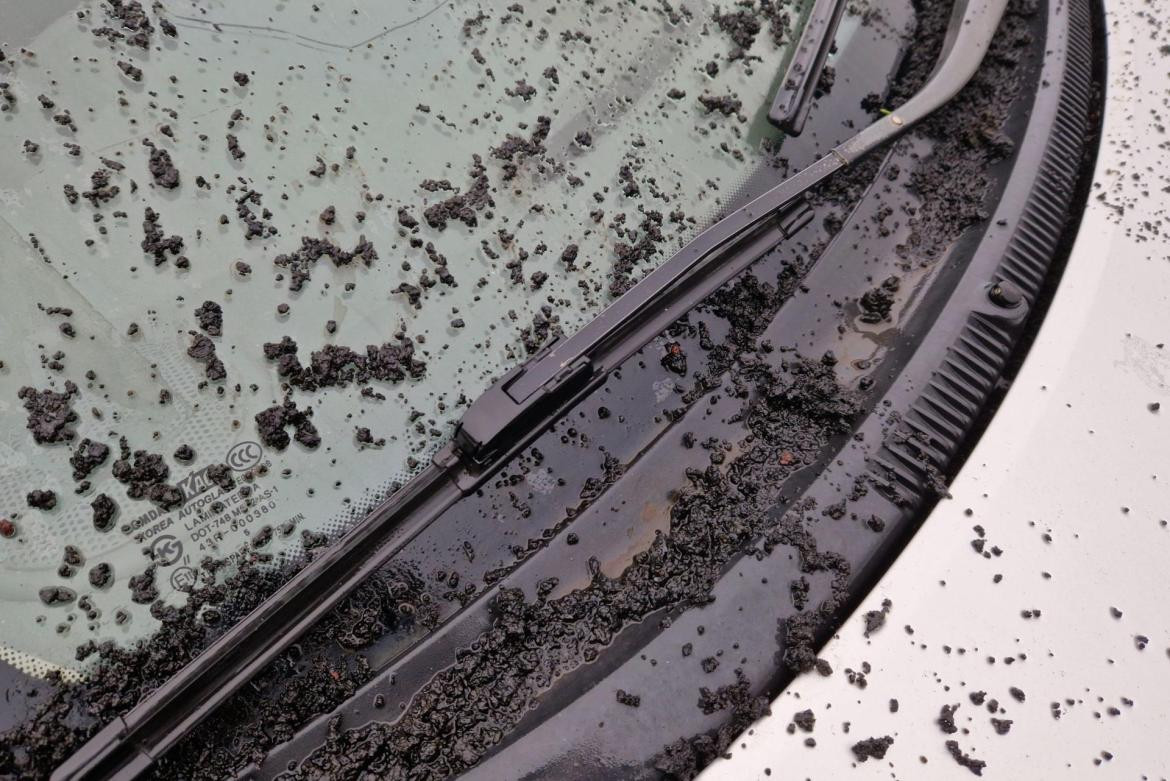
x: 259, y: 256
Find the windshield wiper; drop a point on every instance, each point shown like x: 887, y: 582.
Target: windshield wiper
x: 505, y: 419
x: 793, y: 97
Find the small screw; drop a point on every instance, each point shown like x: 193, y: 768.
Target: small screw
x: 1005, y: 294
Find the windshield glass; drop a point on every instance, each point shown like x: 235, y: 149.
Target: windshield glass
x: 258, y: 257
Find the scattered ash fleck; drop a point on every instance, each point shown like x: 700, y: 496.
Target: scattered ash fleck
x: 101, y: 575
x: 805, y: 720
x: 162, y: 169
x: 88, y: 456
x: 338, y: 366
x: 202, y: 349
x: 876, y: 619
x: 946, y: 719
x: 625, y: 698
x: 965, y: 760
x: 271, y: 424
x: 132, y: 72
x: 221, y: 475
x: 674, y: 359
x: 727, y: 105
x: 233, y: 147
x: 312, y: 249
x: 104, y: 510
x: 141, y: 472
x: 156, y: 243
x: 41, y: 499
x: 463, y: 206
x: 872, y: 748
x: 877, y: 302
x: 142, y: 587
x: 57, y: 595
x: 50, y: 414
x: 210, y: 318
x: 366, y: 439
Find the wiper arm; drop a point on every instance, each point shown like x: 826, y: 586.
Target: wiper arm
x: 793, y: 97
x: 515, y: 403
x: 505, y: 419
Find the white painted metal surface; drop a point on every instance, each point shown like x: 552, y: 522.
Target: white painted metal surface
x: 1072, y: 483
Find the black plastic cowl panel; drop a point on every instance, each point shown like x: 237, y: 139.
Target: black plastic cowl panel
x: 938, y: 424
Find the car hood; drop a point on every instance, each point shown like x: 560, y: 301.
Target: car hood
x: 1035, y: 594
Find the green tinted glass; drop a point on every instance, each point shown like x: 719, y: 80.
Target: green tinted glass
x: 386, y: 204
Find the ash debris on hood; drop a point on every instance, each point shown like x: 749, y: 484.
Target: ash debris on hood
x: 967, y: 140
x: 872, y: 748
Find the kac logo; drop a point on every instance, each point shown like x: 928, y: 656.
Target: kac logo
x: 244, y: 456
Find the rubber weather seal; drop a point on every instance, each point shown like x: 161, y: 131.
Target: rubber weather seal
x: 503, y: 420
x: 793, y: 97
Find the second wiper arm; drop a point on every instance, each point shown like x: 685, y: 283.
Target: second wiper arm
x: 794, y: 95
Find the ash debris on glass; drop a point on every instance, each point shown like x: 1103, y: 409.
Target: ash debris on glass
x: 338, y: 366
x: 41, y: 499
x: 640, y: 235
x: 88, y: 456
x: 51, y: 417
x: 272, y: 422
x: 73, y: 711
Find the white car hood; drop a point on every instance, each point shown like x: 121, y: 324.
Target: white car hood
x: 1071, y: 485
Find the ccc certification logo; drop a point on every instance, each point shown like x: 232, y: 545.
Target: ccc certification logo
x: 244, y: 456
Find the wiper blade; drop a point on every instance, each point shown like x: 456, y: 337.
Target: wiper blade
x: 793, y: 97
x: 505, y: 419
